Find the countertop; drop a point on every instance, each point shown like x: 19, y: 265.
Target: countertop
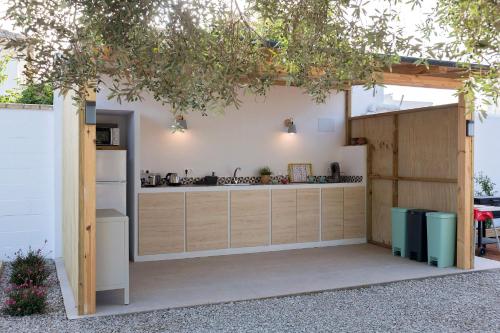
x: 202, y: 188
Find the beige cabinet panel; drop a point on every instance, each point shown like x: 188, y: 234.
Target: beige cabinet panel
x: 332, y: 215
x: 308, y: 215
x: 249, y: 218
x: 354, y: 212
x: 284, y: 216
x: 206, y: 221
x: 161, y: 223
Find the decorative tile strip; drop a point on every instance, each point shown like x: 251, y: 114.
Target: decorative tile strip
x: 274, y: 179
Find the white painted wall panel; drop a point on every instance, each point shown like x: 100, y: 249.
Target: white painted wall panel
x: 487, y: 148
x: 251, y: 137
x: 26, y: 180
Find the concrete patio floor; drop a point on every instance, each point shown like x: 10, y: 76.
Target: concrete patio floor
x: 187, y: 282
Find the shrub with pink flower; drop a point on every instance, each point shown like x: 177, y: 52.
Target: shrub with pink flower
x: 25, y: 299
x: 29, y: 267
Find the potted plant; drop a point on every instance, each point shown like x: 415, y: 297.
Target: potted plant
x: 265, y: 175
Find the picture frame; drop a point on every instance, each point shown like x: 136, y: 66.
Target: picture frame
x: 299, y: 172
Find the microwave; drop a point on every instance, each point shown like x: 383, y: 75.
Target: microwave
x: 107, y: 135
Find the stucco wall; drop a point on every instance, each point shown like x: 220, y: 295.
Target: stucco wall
x: 250, y: 137
x: 487, y: 148
x: 26, y: 179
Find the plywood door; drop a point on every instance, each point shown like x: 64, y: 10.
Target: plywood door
x: 206, y: 221
x: 249, y: 218
x: 161, y: 223
x: 332, y: 214
x: 354, y: 212
x: 308, y: 215
x: 284, y: 216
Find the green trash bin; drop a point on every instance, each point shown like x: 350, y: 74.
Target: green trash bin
x: 441, y: 239
x: 399, y: 227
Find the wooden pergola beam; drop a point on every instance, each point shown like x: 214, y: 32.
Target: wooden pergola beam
x: 424, y: 81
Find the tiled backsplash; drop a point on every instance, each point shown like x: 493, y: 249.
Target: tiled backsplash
x: 274, y: 179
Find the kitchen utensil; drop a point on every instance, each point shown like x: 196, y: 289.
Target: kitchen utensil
x: 151, y: 179
x: 335, y: 167
x: 173, y: 179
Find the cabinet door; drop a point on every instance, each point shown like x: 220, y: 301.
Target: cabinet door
x: 249, y: 218
x: 284, y: 216
x: 332, y: 214
x: 354, y: 212
x: 308, y: 217
x: 206, y: 221
x: 161, y: 223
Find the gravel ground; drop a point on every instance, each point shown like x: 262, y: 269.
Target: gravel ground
x: 460, y: 303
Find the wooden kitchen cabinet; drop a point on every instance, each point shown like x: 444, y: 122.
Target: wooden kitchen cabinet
x: 308, y: 215
x: 284, y: 216
x: 354, y: 212
x: 332, y: 214
x: 249, y: 218
x: 206, y: 221
x: 161, y: 223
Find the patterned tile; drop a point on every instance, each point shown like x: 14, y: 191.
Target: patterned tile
x: 274, y: 179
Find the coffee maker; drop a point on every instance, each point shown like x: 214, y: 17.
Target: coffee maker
x: 335, y: 168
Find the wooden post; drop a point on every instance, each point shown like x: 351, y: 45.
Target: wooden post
x: 369, y: 192
x: 87, y: 236
x: 348, y: 124
x: 395, y: 160
x: 465, y: 189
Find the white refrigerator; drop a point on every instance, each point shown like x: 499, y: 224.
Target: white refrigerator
x: 111, y: 178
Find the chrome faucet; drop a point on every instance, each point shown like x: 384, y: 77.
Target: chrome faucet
x: 235, y: 181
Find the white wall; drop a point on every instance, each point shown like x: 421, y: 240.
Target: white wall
x: 487, y: 148
x: 13, y: 71
x: 26, y: 180
x: 250, y: 137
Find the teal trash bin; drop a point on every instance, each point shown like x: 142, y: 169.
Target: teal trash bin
x: 441, y: 239
x: 399, y: 228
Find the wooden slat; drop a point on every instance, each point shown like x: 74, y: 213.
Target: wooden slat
x: 424, y: 81
x: 354, y: 212
x: 87, y: 238
x: 465, y: 189
x: 395, y: 159
x: 249, y: 218
x: 161, y: 223
x: 284, y: 216
x: 428, y: 143
x: 332, y: 213
x: 369, y: 196
x: 426, y: 195
x: 408, y: 111
x: 381, y: 210
x: 308, y: 215
x: 206, y: 221
x: 415, y: 179
x: 379, y: 133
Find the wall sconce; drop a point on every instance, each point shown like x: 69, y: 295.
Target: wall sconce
x: 469, y: 128
x: 180, y: 124
x: 289, y: 124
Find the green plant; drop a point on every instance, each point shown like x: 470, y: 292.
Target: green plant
x: 25, y: 299
x: 10, y: 96
x: 484, y: 185
x: 29, y: 267
x: 36, y: 94
x: 265, y: 171
x: 198, y: 54
x: 3, y: 66
x: 30, y: 94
